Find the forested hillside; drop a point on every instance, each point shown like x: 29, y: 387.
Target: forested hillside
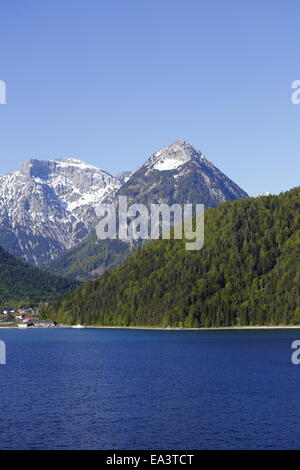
x: 247, y: 273
x: 91, y: 258
x: 24, y: 284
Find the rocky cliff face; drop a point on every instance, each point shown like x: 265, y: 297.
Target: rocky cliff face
x: 49, y: 206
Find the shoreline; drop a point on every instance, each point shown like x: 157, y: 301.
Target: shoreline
x: 175, y: 328
x: 161, y: 328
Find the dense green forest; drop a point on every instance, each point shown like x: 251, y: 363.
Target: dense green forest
x: 247, y: 273
x: 90, y: 258
x: 21, y: 284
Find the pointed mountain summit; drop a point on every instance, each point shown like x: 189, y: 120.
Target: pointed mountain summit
x: 173, y: 156
x: 179, y: 173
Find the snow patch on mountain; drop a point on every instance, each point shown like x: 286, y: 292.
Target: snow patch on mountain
x: 49, y: 206
x: 172, y: 157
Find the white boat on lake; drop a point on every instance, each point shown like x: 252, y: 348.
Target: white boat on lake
x: 78, y: 326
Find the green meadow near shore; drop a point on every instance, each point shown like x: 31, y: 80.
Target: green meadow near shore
x: 248, y: 273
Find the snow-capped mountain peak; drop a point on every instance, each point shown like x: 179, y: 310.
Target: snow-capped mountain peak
x: 74, y: 182
x: 49, y: 206
x: 173, y: 156
x: 179, y: 173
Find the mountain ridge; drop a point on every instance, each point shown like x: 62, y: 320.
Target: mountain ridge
x: 49, y: 206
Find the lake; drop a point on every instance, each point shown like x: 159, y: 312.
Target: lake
x: 64, y: 388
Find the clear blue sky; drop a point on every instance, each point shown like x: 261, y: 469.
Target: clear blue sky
x: 111, y: 81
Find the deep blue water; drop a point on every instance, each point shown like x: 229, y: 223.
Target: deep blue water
x: 141, y: 389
